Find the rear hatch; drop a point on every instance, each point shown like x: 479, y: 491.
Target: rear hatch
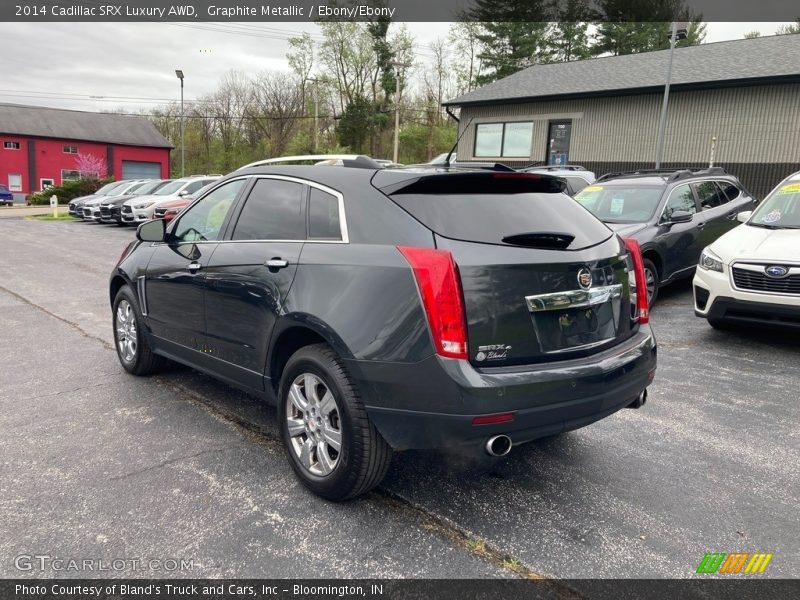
x: 543, y: 279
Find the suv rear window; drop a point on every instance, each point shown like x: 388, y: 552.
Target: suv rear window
x: 489, y: 217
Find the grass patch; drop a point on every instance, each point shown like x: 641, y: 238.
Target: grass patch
x: 50, y: 217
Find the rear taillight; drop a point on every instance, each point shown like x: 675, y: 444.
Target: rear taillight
x: 642, y: 308
x: 440, y: 287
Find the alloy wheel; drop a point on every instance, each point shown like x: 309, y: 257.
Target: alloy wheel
x: 126, y: 331
x: 314, y: 424
x: 650, y: 281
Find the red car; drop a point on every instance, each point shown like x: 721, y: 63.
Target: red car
x: 169, y: 210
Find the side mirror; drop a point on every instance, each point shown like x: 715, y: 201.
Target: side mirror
x: 744, y: 216
x: 183, y: 193
x: 681, y: 216
x: 152, y: 231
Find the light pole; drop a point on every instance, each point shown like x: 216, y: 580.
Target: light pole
x: 678, y: 33
x: 397, y: 65
x: 179, y: 73
x: 316, y: 112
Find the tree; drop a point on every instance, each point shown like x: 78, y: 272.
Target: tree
x: 643, y: 26
x: 467, y: 66
x: 568, y: 36
x: 789, y: 29
x: 356, y: 125
x: 513, y: 36
x: 89, y: 165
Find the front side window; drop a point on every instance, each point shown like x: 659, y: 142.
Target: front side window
x: 273, y: 211
x: 503, y: 139
x: 203, y: 221
x: 681, y: 199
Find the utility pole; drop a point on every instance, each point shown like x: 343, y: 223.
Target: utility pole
x: 179, y: 73
x: 316, y: 113
x: 397, y: 66
x: 679, y: 32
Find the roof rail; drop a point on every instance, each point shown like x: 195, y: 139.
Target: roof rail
x: 672, y: 174
x: 555, y: 168
x: 358, y: 161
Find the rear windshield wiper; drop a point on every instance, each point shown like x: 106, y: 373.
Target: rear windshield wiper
x: 540, y: 239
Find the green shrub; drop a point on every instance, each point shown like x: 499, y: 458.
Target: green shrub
x: 69, y: 190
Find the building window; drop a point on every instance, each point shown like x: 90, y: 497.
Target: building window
x: 11, y: 145
x: 15, y: 182
x: 558, y: 142
x: 503, y: 139
x: 70, y: 149
x: 70, y: 174
x: 46, y: 183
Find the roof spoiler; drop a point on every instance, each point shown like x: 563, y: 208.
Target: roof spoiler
x: 356, y: 161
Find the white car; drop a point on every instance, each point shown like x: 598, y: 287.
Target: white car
x: 142, y: 208
x: 751, y: 275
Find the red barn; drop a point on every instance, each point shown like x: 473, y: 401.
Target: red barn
x: 42, y: 146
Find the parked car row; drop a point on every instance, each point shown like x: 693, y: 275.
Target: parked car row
x: 135, y: 201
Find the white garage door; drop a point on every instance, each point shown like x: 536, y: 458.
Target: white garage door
x: 132, y: 169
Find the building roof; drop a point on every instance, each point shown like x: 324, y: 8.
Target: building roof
x: 719, y: 64
x: 108, y: 128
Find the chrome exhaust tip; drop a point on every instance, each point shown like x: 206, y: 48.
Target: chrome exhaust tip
x: 640, y: 401
x: 498, y: 445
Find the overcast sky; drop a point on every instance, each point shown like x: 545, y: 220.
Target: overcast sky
x: 132, y: 65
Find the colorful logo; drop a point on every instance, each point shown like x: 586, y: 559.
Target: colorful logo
x: 732, y: 564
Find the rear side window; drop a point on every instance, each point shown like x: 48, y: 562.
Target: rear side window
x: 490, y: 217
x: 710, y: 195
x: 273, y: 211
x: 730, y: 190
x: 323, y: 216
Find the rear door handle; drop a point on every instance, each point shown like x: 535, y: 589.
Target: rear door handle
x: 701, y: 225
x: 732, y: 215
x: 194, y: 266
x: 277, y: 263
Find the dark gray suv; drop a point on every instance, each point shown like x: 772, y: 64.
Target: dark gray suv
x: 390, y: 309
x: 672, y: 214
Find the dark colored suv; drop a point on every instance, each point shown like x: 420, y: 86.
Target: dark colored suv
x: 672, y: 214
x: 392, y: 309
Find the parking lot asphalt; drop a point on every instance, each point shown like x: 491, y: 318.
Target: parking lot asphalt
x: 95, y: 463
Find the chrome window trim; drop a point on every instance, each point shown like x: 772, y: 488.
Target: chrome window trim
x: 338, y: 195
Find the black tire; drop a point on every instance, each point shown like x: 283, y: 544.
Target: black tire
x: 650, y: 267
x: 363, y: 457
x: 142, y: 361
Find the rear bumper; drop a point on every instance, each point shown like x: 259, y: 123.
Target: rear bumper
x: 431, y: 404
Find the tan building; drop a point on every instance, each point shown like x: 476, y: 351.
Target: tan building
x: 604, y: 113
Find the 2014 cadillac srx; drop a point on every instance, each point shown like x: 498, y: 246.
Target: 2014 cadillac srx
x: 390, y: 309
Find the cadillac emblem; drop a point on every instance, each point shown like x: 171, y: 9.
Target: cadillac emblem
x: 585, y: 278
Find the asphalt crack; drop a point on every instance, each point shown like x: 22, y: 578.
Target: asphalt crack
x: 72, y: 324
x: 169, y: 462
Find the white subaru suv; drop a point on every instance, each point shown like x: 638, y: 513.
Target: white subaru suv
x: 751, y: 275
